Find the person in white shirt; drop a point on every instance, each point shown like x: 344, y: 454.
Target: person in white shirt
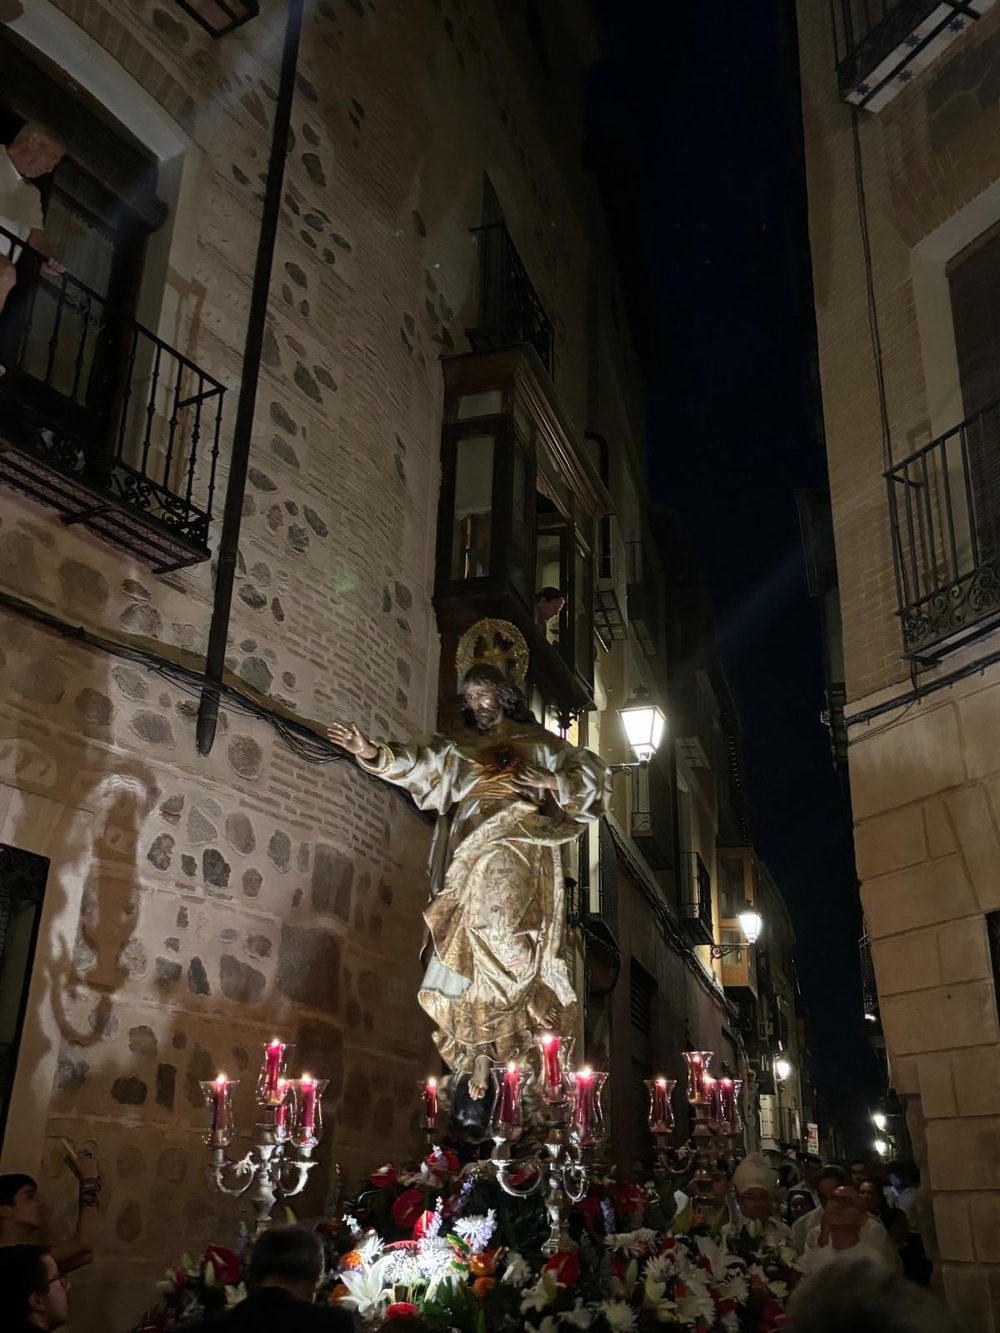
x: 871, y: 1299
x: 756, y: 1187
x: 34, y: 151
x: 844, y: 1234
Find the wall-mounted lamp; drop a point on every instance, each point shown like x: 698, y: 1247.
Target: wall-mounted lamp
x: 751, y: 924
x: 644, y: 725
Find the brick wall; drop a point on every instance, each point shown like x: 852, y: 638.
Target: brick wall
x: 194, y: 907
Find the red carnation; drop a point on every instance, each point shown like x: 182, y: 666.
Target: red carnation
x: 564, y: 1267
x: 400, y: 1310
x: 627, y: 1200
x: 407, y: 1208
x: 226, y: 1265
x: 384, y: 1176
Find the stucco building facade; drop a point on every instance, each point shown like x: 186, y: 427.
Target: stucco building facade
x: 903, y: 166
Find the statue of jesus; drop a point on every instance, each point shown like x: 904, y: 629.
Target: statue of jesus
x: 507, y: 794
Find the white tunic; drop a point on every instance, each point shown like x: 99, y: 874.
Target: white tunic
x: 20, y: 206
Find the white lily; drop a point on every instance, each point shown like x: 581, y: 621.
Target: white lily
x: 366, y: 1286
x: 542, y: 1294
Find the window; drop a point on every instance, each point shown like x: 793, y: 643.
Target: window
x: 512, y: 522
x: 22, y: 887
x: 101, y: 419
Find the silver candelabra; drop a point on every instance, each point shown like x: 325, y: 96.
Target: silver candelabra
x: 290, y: 1121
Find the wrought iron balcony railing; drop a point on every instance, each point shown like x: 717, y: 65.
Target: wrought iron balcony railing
x: 220, y: 16
x: 696, y: 900
x: 105, y: 422
x: 882, y: 44
x: 944, y: 508
x: 510, y: 311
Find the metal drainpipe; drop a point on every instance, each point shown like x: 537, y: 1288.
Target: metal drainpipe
x: 215, y: 657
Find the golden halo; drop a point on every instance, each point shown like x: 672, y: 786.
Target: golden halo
x: 495, y: 643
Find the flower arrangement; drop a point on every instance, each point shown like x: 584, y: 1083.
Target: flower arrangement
x: 442, y: 1247
x: 197, y: 1288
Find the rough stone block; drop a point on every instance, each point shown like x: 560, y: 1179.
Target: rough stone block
x: 906, y: 962
x: 976, y: 1075
x: 937, y: 1089
x: 964, y: 1154
x: 954, y: 1227
x: 941, y: 1019
x: 977, y: 837
x: 921, y: 896
x: 964, y: 951
x: 984, y: 1213
x: 979, y: 714
x: 968, y: 1295
x: 908, y: 763
x: 890, y: 842
x: 940, y: 834
x: 905, y: 1077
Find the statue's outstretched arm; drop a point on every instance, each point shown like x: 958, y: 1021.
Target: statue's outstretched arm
x: 351, y: 739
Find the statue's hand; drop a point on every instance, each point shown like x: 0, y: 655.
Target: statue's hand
x: 349, y: 738
x: 529, y: 779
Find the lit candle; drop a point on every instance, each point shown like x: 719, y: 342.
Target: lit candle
x: 281, y: 1110
x: 219, y: 1102
x: 431, y: 1099
x: 661, y: 1100
x: 307, y: 1089
x: 551, y: 1073
x: 272, y: 1066
x: 583, y: 1107
x: 726, y: 1101
x: 509, y: 1111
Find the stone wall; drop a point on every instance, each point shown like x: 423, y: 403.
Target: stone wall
x: 924, y: 774
x: 195, y: 907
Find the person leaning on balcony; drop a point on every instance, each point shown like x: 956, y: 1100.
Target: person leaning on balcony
x: 34, y: 151
x: 21, y: 1219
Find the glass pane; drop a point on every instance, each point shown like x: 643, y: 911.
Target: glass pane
x: 548, y: 574
x: 488, y: 404
x: 731, y: 891
x: 583, y: 639
x: 520, y: 528
x: 473, y: 516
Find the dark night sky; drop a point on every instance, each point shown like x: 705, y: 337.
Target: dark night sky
x: 697, y: 111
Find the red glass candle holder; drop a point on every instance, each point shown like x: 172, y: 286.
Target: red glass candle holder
x: 661, y: 1110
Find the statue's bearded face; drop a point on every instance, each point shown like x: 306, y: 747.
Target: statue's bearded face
x: 483, y: 703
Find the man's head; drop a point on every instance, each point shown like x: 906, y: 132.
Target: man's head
x: 845, y: 1211
x: 32, y: 1288
x: 829, y: 1180
x: 35, y: 149
x: 489, y: 697
x: 873, y: 1298
x: 811, y: 1168
x: 755, y: 1184
x: 287, y: 1257
x: 549, y: 603
x: 871, y: 1194
x: 20, y: 1209
x: 861, y: 1168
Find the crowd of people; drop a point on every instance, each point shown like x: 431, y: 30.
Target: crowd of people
x: 827, y: 1215
x: 829, y: 1212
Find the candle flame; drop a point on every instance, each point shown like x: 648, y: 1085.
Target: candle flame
x: 585, y: 1072
x: 511, y: 1067
x: 548, y: 1038
x: 661, y: 1082
x: 307, y: 1078
x: 221, y: 1078
x: 273, y: 1043
x: 432, y: 1083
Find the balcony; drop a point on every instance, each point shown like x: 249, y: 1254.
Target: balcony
x: 944, y: 508
x: 510, y: 311
x: 869, y: 990
x: 104, y: 422
x: 882, y: 45
x: 219, y: 17
x: 696, y: 900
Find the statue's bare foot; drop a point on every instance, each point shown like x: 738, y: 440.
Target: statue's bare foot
x: 479, y: 1079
